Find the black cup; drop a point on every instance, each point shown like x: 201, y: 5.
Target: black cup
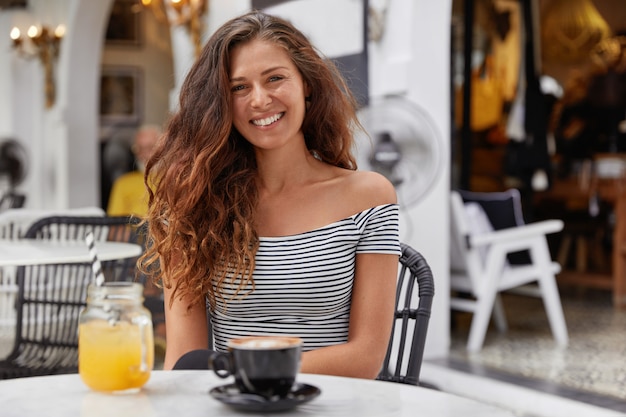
x: 262, y: 365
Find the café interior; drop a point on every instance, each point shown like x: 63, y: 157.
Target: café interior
x: 543, y: 112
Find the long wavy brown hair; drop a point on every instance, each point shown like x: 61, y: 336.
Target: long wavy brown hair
x: 201, y: 217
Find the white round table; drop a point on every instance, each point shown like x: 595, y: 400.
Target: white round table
x: 185, y: 393
x: 27, y: 252
x: 40, y: 252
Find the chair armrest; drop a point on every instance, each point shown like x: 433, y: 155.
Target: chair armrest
x: 530, y: 230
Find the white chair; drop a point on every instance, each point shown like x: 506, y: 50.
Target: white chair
x: 13, y: 225
x: 481, y: 270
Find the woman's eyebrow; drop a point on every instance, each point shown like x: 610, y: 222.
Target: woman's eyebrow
x: 265, y: 72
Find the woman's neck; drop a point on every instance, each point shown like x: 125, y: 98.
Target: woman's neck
x: 277, y: 173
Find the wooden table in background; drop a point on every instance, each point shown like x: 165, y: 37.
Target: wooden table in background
x: 610, y: 190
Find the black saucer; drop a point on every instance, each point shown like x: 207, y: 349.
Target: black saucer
x: 230, y: 395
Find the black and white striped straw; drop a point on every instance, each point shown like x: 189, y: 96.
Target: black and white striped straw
x: 96, y: 266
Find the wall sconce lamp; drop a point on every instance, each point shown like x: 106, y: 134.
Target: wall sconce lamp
x: 43, y: 43
x: 188, y: 13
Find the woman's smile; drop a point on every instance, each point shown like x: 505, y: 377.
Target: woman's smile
x: 268, y: 120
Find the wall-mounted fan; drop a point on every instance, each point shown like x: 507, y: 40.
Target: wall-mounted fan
x: 404, y: 145
x: 13, y: 169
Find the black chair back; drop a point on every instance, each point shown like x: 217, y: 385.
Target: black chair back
x: 50, y: 297
x: 415, y: 274
x: 504, y: 210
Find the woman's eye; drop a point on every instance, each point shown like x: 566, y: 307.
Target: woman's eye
x: 275, y: 78
x: 236, y: 88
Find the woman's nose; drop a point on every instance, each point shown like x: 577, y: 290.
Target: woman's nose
x: 259, y: 97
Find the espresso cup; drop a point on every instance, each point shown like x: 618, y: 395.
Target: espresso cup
x: 262, y: 365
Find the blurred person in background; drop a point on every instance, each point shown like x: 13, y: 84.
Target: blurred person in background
x: 128, y: 195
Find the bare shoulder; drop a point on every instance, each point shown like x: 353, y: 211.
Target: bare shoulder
x: 369, y: 189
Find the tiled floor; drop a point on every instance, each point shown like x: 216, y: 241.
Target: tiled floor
x: 591, y: 371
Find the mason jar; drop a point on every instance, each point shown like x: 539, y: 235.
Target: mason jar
x: 115, y: 338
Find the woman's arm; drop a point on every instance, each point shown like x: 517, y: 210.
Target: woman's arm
x: 371, y: 318
x: 186, y: 329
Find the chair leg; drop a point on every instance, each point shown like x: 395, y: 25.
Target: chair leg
x: 480, y: 321
x: 550, y: 294
x: 554, y: 309
x: 485, y: 299
x: 499, y: 317
x: 581, y: 254
x: 564, y: 249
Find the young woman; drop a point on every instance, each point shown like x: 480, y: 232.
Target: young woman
x: 260, y: 212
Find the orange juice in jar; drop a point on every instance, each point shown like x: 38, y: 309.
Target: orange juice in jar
x: 115, y: 339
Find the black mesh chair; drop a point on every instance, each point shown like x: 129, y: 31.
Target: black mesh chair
x: 411, y: 320
x: 50, y: 297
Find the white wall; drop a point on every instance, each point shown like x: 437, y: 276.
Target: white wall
x: 430, y: 65
x: 23, y: 115
x: 63, y: 170
x: 412, y: 60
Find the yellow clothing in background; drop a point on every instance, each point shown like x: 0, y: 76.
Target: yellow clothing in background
x: 128, y: 196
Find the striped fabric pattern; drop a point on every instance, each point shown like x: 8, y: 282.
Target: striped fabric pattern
x: 303, y: 282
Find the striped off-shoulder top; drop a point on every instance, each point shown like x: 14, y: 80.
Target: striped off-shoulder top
x: 303, y: 282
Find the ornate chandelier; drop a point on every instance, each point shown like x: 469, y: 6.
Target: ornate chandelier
x: 188, y: 13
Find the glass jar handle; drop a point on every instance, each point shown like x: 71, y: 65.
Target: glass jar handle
x: 147, y: 342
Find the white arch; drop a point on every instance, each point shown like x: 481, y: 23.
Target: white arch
x: 75, y: 125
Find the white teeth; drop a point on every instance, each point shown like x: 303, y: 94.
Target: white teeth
x: 268, y: 120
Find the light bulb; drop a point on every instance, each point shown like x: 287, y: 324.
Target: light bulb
x: 15, y: 33
x: 59, y: 32
x: 33, y: 31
